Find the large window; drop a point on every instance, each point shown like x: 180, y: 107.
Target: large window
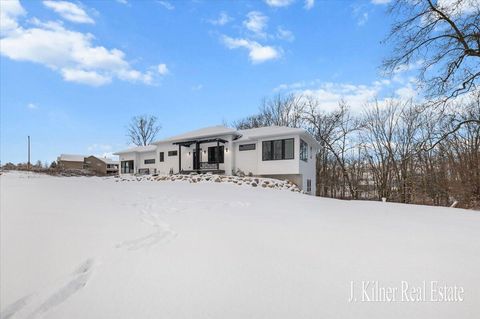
x: 303, y: 150
x: 162, y: 157
x: 212, y: 155
x: 278, y: 150
x: 149, y: 161
x: 172, y: 153
x: 126, y: 167
x: 246, y: 147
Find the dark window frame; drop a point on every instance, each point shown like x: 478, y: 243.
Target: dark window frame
x: 161, y: 157
x: 172, y: 153
x: 303, y: 150
x: 211, y: 152
x: 271, y: 145
x: 149, y: 161
x: 247, y: 147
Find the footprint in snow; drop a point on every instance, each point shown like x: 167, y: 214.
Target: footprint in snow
x: 39, y: 303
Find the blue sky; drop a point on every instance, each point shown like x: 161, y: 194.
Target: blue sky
x: 74, y: 73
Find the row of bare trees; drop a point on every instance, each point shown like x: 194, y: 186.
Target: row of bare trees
x: 393, y: 149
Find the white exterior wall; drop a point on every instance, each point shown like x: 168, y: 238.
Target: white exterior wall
x: 138, y: 160
x: 308, y: 168
x: 251, y: 161
x: 127, y: 157
x: 141, y: 161
x: 170, y: 162
x: 247, y: 161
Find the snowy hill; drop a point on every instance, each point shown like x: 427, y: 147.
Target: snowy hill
x: 87, y: 247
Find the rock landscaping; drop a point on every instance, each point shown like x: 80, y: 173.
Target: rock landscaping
x: 213, y: 178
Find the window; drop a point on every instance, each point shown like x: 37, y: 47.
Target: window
x: 212, y: 154
x: 149, y: 161
x: 278, y: 150
x: 311, y: 152
x: 246, y: 147
x: 303, y: 150
x: 172, y: 153
x: 309, y: 185
x: 162, y: 157
x: 127, y: 167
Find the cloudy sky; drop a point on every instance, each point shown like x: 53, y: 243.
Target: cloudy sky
x: 73, y: 73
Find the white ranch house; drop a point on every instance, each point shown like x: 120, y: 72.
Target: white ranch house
x: 273, y: 151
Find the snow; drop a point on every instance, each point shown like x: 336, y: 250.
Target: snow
x: 91, y: 247
x: 255, y: 133
x: 138, y: 149
x: 212, y: 131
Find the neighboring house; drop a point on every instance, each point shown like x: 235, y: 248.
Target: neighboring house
x: 101, y: 166
x: 273, y: 151
x: 70, y: 161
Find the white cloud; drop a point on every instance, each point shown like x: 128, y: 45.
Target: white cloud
x: 381, y: 1
x: 122, y: 1
x: 223, y: 19
x: 460, y: 7
x: 197, y: 87
x: 85, y: 77
x: 407, y: 92
x: 256, y: 22
x: 257, y: 53
x: 329, y: 94
x: 279, y: 3
x: 285, y: 34
x: 167, y: 5
x: 162, y: 69
x: 68, y: 52
x: 69, y: 11
x: 309, y: 4
x: 362, y: 19
x: 32, y: 106
x: 10, y: 11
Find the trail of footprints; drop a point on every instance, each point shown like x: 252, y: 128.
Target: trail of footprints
x: 39, y: 303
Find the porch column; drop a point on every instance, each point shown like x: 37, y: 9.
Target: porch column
x: 197, y: 150
x: 217, y: 155
x: 179, y: 158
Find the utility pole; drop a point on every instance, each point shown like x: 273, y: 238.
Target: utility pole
x: 28, y: 164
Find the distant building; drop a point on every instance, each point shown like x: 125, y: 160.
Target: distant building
x: 70, y: 161
x: 99, y: 165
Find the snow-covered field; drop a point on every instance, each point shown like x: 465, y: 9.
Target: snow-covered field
x: 79, y: 247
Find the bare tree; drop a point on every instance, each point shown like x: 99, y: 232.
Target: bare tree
x: 281, y: 110
x: 445, y: 37
x: 143, y: 129
x: 334, y: 132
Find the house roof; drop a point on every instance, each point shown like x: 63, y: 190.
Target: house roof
x: 107, y: 160
x: 218, y: 131
x: 272, y: 131
x: 138, y: 149
x: 206, y: 132
x: 267, y: 131
x: 71, y: 158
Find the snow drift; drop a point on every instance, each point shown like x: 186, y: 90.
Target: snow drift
x: 88, y: 247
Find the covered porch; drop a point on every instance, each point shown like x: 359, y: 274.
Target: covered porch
x: 204, y: 160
